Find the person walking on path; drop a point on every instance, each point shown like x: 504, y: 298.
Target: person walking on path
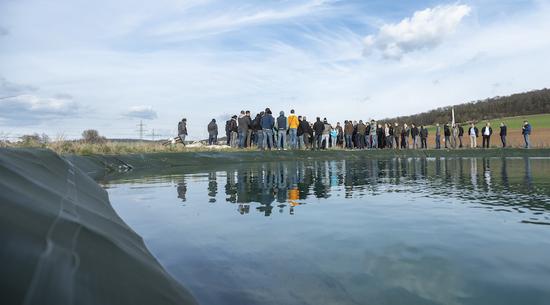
x: 437, y: 136
x: 526, y: 132
x: 182, y: 130
x: 293, y: 124
x: 486, y: 132
x: 474, y: 133
x: 503, y: 133
x: 282, y: 126
x: 267, y: 122
x: 424, y: 137
x: 460, y: 134
x: 212, y: 132
x: 415, y: 135
x: 318, y: 128
x: 447, y: 133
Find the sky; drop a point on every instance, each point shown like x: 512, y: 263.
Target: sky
x: 71, y: 65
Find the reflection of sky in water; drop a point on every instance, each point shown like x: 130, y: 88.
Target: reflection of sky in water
x: 398, y: 231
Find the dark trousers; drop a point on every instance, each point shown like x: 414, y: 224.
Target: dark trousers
x: 486, y: 140
x: 503, y: 140
x: 447, y: 141
x: 424, y: 143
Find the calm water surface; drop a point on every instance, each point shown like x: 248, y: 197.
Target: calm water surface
x: 398, y: 231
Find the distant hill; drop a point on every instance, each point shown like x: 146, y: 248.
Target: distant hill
x: 527, y: 103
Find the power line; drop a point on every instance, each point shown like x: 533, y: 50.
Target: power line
x: 141, y: 129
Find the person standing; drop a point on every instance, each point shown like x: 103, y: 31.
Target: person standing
x: 326, y: 133
x: 405, y: 137
x: 526, y: 132
x: 300, y: 132
x: 340, y: 137
x: 233, y: 127
x: 473, y: 132
x: 387, y: 136
x: 486, y: 132
x: 318, y: 128
x: 228, y: 132
x: 212, y: 132
x: 454, y: 132
x: 249, y: 131
x: 267, y: 122
x: 243, y: 127
x: 437, y: 136
x: 373, y: 136
x: 396, y: 135
x: 348, y: 133
x: 333, y: 137
x: 423, y: 137
x: 308, y: 133
x: 503, y: 133
x: 282, y: 126
x: 182, y: 130
x: 460, y: 134
x: 257, y: 128
x: 361, y: 133
x: 415, y: 136
x: 447, y: 133
x: 293, y: 124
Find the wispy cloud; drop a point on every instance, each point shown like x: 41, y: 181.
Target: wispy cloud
x: 30, y: 109
x: 425, y: 29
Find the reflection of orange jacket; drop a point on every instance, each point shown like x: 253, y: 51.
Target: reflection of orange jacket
x: 293, y: 194
x: 293, y: 121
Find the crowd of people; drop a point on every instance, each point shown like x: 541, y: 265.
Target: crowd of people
x: 266, y: 132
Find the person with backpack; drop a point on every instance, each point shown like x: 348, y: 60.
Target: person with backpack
x: 182, y: 130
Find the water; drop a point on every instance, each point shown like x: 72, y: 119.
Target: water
x: 398, y: 231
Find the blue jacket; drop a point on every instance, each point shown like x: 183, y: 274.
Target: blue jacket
x: 527, y: 129
x: 267, y: 121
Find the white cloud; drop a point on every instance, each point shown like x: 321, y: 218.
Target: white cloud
x: 141, y: 112
x: 425, y: 29
x: 30, y: 109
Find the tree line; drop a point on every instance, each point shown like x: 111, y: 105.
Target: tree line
x: 526, y: 103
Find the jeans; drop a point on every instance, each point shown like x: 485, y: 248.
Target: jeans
x: 242, y: 138
x: 260, y: 139
x: 234, y: 139
x: 347, y: 138
x: 333, y: 141
x: 318, y: 141
x: 374, y: 140
x: 527, y: 141
x: 438, y: 142
x: 416, y: 140
x: 503, y: 140
x: 212, y: 139
x: 281, y: 139
x: 447, y: 141
x: 301, y: 142
x: 293, y: 133
x: 267, y: 141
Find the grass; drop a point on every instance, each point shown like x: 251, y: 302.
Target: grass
x: 537, y: 121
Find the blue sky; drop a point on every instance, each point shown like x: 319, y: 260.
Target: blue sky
x: 66, y: 66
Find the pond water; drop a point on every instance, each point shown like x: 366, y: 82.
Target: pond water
x: 396, y: 231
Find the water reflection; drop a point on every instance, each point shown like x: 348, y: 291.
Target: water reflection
x: 289, y: 184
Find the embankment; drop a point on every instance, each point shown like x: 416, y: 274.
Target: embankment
x: 62, y: 242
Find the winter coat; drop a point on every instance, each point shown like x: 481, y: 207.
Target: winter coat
x: 526, y: 129
x: 256, y: 123
x: 228, y: 126
x: 244, y: 123
x: 361, y: 129
x: 475, y: 130
x: 282, y: 122
x: 318, y: 127
x: 213, y: 128
x: 348, y: 129
x: 460, y: 131
x: 233, y: 125
x: 293, y: 121
x: 414, y: 131
x: 484, y: 129
x: 182, y: 128
x: 503, y: 130
x: 267, y: 121
x: 424, y: 133
x: 327, y: 129
x: 447, y: 131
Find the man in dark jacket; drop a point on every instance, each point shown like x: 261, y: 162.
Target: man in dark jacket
x: 447, y: 133
x: 257, y: 130
x: 318, y: 128
x: 212, y: 133
x: 228, y: 132
x: 361, y: 132
x: 486, y: 132
x: 503, y: 133
x: 244, y: 123
x: 282, y: 126
x: 415, y: 135
x: 348, y: 134
x: 267, y: 122
x: 460, y: 134
x: 182, y: 130
x: 308, y: 133
x: 423, y: 137
x: 234, y: 130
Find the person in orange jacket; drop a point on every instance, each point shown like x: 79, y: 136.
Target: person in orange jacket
x: 293, y: 124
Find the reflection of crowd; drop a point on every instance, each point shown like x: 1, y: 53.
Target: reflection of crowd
x: 288, y: 184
